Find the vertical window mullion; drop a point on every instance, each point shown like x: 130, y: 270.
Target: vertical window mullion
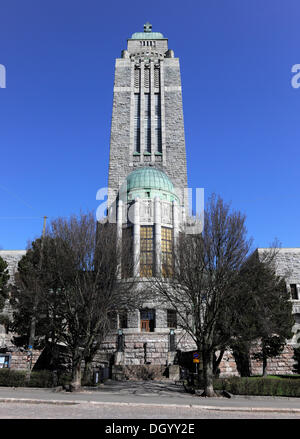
x: 137, y: 131
x: 147, y: 123
x: 158, y: 140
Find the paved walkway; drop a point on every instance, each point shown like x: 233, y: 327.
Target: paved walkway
x: 139, y: 394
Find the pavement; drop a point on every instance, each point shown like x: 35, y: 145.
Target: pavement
x: 148, y: 394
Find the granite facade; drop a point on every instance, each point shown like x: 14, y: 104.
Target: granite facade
x: 172, y: 160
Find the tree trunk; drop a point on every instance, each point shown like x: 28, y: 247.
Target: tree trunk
x: 87, y: 372
x: 242, y: 361
x: 265, y: 362
x: 217, y: 361
x: 53, y: 361
x: 76, y: 375
x: 208, y: 373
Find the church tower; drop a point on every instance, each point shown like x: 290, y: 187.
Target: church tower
x: 147, y: 189
x: 147, y: 127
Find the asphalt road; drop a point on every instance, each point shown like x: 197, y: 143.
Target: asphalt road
x: 95, y: 411
x: 138, y: 400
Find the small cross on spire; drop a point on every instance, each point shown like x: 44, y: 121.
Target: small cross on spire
x: 147, y: 27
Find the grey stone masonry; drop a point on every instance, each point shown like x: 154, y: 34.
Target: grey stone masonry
x: 137, y: 47
x: 12, y: 257
x: 287, y: 265
x: 168, y: 153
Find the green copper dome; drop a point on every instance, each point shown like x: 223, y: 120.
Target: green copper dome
x: 150, y: 182
x: 147, y: 34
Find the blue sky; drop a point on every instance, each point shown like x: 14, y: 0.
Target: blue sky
x: 241, y: 113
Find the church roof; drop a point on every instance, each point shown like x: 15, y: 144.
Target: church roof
x: 149, y: 178
x: 147, y: 34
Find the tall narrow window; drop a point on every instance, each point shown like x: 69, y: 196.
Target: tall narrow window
x: 157, y: 105
x: 146, y: 78
x: 127, y: 253
x: 294, y: 291
x: 146, y: 251
x: 147, y: 123
x: 171, y: 318
x: 297, y: 318
x: 137, y: 129
x: 167, y: 251
x: 123, y: 319
x: 156, y: 77
x: 137, y: 74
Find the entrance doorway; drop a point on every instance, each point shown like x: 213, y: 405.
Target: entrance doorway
x: 147, y: 320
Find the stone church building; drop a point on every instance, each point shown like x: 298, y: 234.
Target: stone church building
x: 147, y: 199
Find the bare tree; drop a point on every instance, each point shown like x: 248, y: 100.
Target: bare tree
x: 91, y: 285
x: 205, y: 268
x: 80, y: 286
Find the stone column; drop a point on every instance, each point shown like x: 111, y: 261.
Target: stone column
x: 175, y: 208
x: 133, y: 322
x: 131, y: 143
x: 142, y: 112
x: 162, y: 113
x: 161, y: 321
x: 152, y: 115
x: 157, y: 235
x: 136, y: 239
x: 119, y: 236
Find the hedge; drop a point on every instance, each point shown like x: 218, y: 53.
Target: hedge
x: 17, y: 378
x: 267, y: 386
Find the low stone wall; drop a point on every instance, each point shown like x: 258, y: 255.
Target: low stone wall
x: 228, y: 365
x: 153, y: 348
x: 148, y: 347
x: 283, y: 364
x: 19, y: 359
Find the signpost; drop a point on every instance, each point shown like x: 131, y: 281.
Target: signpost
x: 196, y: 360
x: 196, y: 357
